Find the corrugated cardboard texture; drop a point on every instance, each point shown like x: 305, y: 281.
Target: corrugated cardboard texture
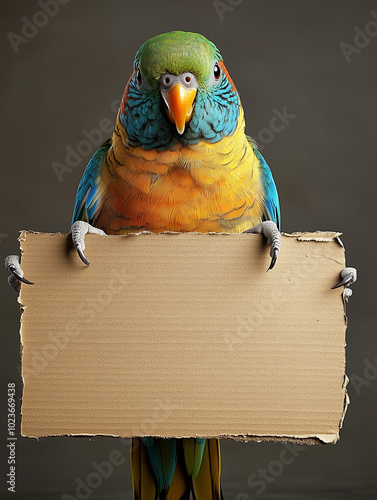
x: 183, y: 335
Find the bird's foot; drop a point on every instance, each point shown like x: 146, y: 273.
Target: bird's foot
x: 349, y: 276
x: 270, y: 231
x: 12, y: 265
x: 78, y: 230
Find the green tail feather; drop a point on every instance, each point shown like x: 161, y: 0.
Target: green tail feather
x: 197, y: 469
x: 206, y: 486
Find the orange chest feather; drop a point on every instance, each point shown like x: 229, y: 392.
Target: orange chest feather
x: 201, y: 188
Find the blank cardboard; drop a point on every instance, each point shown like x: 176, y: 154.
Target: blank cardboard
x: 183, y: 334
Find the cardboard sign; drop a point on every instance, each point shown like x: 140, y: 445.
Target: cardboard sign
x: 183, y: 334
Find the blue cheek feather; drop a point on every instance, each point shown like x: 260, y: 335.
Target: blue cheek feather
x: 215, y: 116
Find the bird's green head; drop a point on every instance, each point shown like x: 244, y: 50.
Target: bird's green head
x: 179, y: 81
x: 177, y: 52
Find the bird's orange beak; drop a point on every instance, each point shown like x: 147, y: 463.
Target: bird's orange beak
x: 179, y: 102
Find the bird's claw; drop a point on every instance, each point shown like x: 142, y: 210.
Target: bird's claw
x: 274, y: 255
x: 12, y: 265
x: 78, y: 231
x: 348, y: 275
x: 347, y: 292
x: 271, y: 232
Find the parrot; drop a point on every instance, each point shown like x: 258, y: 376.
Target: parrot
x: 178, y: 160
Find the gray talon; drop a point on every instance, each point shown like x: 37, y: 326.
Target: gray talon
x: 78, y: 230
x: 349, y: 276
x: 12, y: 265
x: 20, y: 278
x: 274, y: 257
x: 270, y: 231
x: 82, y: 257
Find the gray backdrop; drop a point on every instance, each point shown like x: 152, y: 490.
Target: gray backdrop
x: 63, y: 77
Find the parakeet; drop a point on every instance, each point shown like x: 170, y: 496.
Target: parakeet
x: 178, y: 160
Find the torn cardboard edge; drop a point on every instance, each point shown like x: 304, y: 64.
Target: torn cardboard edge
x: 320, y: 236
x: 246, y: 438
x: 307, y: 438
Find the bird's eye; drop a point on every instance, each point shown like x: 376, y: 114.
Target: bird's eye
x: 216, y: 71
x: 139, y: 78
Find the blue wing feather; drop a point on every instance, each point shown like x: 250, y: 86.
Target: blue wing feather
x: 163, y: 458
x: 271, y: 202
x: 88, y: 192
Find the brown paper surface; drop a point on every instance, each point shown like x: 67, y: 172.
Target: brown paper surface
x: 183, y: 335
